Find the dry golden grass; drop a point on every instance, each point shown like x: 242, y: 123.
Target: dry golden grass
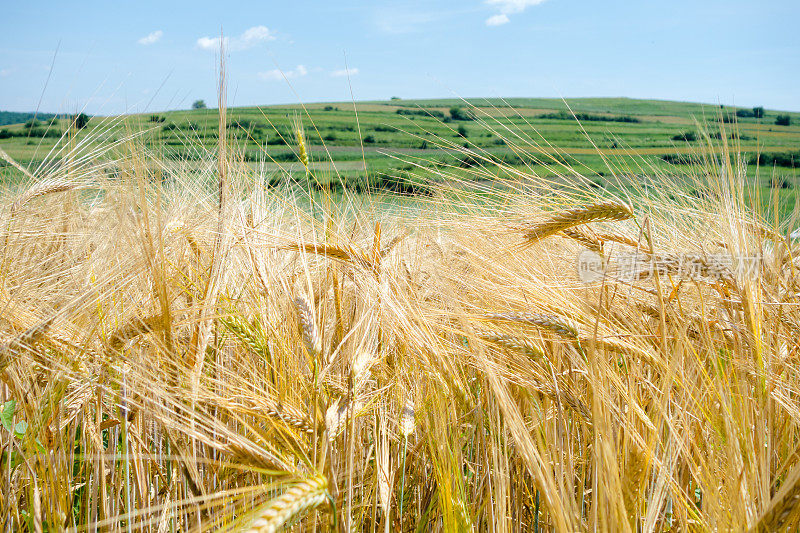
x: 179, y: 357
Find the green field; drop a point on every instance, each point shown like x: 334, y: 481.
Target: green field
x: 392, y: 137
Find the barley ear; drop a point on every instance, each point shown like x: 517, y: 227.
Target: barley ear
x: 510, y: 342
x: 250, y: 333
x: 310, y: 331
x: 300, y: 137
x: 575, y: 217
x: 292, y: 504
x: 558, y: 324
x: 41, y: 189
x: 407, y: 423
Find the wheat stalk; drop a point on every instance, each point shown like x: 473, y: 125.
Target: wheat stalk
x: 383, y: 467
x: 620, y: 238
x: 575, y: 217
x: 594, y: 240
x: 12, y: 347
x: 782, y: 507
x: 562, y: 394
x: 135, y: 327
x: 561, y: 325
x: 301, y: 497
x: 385, y: 250
x: 11, y: 161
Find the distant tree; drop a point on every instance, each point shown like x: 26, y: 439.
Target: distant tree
x: 456, y: 113
x: 80, y: 121
x: 781, y: 182
x: 779, y: 159
x: 199, y: 104
x: 13, y: 117
x: 369, y: 139
x: 462, y: 131
x: 394, y: 98
x: 688, y: 136
x: 758, y: 112
x: 745, y: 113
x: 32, y: 123
x: 783, y: 120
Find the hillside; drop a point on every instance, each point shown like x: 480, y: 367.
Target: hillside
x: 395, y: 137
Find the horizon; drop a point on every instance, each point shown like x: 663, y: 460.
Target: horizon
x: 469, y: 100
x: 729, y: 53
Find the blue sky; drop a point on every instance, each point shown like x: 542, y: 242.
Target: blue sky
x: 123, y: 56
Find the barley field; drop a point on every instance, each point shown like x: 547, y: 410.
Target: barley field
x: 191, y: 345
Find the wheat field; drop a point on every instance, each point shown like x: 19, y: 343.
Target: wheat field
x: 188, y: 347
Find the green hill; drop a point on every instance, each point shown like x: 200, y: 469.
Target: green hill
x: 393, y: 136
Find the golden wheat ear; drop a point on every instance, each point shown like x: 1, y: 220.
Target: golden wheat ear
x: 604, y: 211
x: 311, y: 334
x: 43, y: 188
x: 558, y: 324
x: 345, y: 254
x: 300, y: 138
x: 509, y: 341
x: 300, y: 498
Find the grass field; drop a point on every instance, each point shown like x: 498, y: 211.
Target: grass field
x: 387, y: 140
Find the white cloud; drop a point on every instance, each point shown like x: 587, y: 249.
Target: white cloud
x: 278, y: 74
x: 497, y: 20
x: 4, y: 72
x: 209, y: 43
x: 151, y: 38
x: 250, y: 38
x: 255, y: 35
x: 508, y: 7
x: 344, y: 72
